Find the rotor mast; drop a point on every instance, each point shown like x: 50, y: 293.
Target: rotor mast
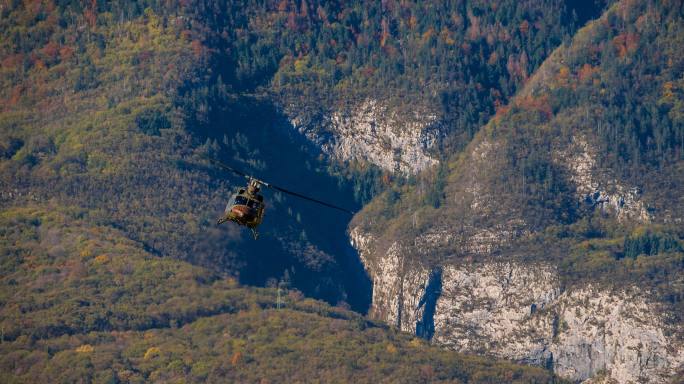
x: 253, y: 186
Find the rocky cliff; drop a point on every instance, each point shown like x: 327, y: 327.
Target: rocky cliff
x: 522, y: 312
x: 395, y: 139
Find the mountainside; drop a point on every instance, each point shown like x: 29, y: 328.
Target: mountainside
x: 556, y: 236
x: 110, y: 107
x: 112, y: 270
x: 519, y: 163
x: 83, y: 303
x: 395, y: 85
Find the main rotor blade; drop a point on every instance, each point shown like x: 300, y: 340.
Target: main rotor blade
x: 308, y: 198
x: 224, y: 166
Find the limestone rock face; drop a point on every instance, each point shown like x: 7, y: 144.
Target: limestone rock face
x: 604, y: 191
x: 521, y: 312
x: 494, y: 303
x: 397, y: 299
x: 396, y: 141
x: 620, y: 333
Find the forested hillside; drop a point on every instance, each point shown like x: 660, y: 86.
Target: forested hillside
x: 106, y: 110
x: 588, y: 155
x: 464, y: 59
x: 577, y: 181
x: 549, y: 145
x: 108, y: 106
x: 451, y: 63
x: 82, y: 303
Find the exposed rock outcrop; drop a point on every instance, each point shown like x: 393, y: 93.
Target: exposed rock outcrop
x: 395, y: 140
x: 397, y: 299
x: 605, y: 193
x: 521, y: 312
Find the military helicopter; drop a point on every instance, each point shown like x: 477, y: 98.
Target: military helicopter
x: 246, y: 206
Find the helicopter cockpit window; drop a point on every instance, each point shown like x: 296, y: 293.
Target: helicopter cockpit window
x: 253, y: 204
x: 240, y: 200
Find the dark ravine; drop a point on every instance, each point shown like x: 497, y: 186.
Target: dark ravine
x: 301, y: 242
x: 425, y: 328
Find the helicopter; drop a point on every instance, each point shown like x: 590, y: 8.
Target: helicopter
x: 246, y: 206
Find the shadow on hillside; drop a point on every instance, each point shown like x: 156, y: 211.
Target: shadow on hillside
x: 300, y: 241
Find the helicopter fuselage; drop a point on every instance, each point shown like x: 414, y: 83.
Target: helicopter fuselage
x: 246, y: 207
x: 245, y: 215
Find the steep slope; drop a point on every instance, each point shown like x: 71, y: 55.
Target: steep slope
x: 555, y: 237
x: 108, y: 105
x: 84, y: 303
x: 394, y: 84
x: 106, y: 217
x: 107, y: 108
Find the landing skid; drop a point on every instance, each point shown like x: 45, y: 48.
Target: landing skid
x: 223, y: 219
